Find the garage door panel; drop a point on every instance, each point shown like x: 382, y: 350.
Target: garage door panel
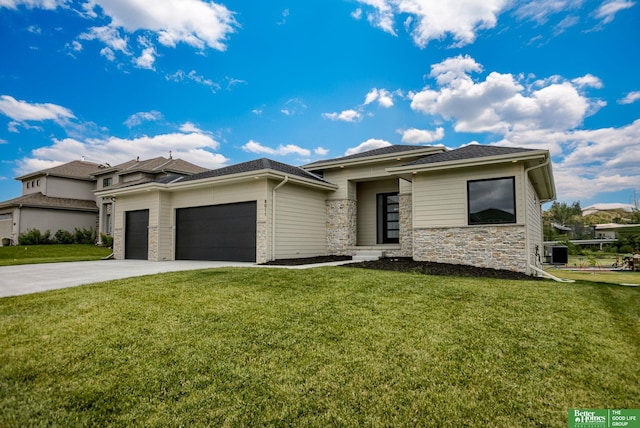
x: 217, y: 232
x: 136, y: 241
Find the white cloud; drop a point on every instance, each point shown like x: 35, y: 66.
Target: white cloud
x: 32, y: 4
x: 357, y: 14
x: 345, y: 116
x: 194, y: 147
x: 256, y: 147
x: 193, y: 76
x: 146, y: 59
x: 540, y: 10
x: 630, y: 98
x: 22, y: 111
x: 293, y: 107
x: 143, y: 116
x: 320, y: 151
x: 607, y: 10
x: 588, y: 80
x: 197, y: 23
x: 109, y: 36
x: 108, y: 53
x: 370, y: 144
x: 384, y: 97
x: 502, y: 103
x: 435, y: 19
x: 417, y: 136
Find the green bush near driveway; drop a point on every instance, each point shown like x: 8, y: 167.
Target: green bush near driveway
x: 319, y: 347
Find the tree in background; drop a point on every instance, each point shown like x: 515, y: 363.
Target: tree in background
x: 562, y: 214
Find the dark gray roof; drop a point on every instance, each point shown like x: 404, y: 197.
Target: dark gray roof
x: 468, y: 152
x: 254, y: 165
x: 151, y: 166
x: 38, y: 200
x: 397, y: 148
x: 80, y: 170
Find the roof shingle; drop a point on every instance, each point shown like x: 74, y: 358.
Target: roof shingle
x: 471, y: 151
x: 38, y: 200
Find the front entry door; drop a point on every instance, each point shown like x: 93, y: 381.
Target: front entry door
x: 388, y: 218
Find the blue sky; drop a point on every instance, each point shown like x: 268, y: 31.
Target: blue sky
x: 217, y: 83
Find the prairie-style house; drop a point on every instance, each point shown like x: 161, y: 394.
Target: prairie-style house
x: 477, y: 205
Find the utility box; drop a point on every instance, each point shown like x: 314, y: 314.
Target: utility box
x: 557, y: 255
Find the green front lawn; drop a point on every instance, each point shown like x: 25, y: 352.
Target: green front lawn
x: 320, y: 347
x: 30, y: 254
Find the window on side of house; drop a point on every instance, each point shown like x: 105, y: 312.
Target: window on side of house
x: 492, y: 201
x: 106, y: 182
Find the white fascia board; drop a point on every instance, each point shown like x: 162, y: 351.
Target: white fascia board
x: 407, y: 155
x: 221, y: 180
x: 463, y: 163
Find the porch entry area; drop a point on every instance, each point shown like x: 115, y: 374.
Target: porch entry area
x: 378, y: 212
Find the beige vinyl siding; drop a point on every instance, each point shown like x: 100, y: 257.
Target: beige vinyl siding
x: 134, y: 202
x: 534, y: 225
x: 367, y: 210
x: 165, y: 228
x: 220, y: 194
x: 342, y: 177
x: 300, y: 229
x: 440, y: 198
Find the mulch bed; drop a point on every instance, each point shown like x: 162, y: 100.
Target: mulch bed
x: 407, y: 264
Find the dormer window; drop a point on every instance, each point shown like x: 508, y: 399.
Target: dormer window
x: 106, y: 182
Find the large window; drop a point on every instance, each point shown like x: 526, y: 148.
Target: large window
x: 492, y: 201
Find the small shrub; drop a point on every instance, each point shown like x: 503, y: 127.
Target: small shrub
x: 34, y: 237
x: 107, y: 241
x: 625, y: 249
x: 83, y: 236
x: 63, y: 237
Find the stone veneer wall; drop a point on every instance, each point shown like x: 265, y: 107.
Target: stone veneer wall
x: 406, y: 225
x: 341, y: 226
x: 497, y: 247
x: 153, y: 244
x: 262, y: 242
x: 118, y: 244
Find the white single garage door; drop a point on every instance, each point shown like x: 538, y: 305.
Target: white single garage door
x: 217, y: 232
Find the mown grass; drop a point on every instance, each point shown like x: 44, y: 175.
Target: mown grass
x: 319, y: 347
x: 32, y: 254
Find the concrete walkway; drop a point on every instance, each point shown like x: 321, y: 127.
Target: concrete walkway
x: 26, y: 279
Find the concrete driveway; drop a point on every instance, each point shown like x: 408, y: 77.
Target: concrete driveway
x: 25, y: 279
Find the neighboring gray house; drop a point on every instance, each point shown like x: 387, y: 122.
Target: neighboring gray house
x: 63, y: 197
x: 55, y: 198
x: 477, y: 205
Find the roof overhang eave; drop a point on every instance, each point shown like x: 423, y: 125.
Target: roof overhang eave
x: 400, y: 156
x: 179, y: 185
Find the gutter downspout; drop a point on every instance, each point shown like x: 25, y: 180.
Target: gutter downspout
x: 273, y: 216
x: 528, y: 248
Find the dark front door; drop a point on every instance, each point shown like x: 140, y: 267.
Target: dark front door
x: 388, y: 218
x: 136, y: 235
x: 217, y: 232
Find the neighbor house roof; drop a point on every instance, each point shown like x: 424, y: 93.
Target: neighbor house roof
x: 151, y: 166
x: 381, y: 154
x: 79, y: 170
x: 38, y: 200
x: 607, y: 207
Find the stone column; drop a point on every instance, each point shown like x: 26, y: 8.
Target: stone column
x: 341, y: 226
x: 406, y: 225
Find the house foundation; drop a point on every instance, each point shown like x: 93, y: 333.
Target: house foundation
x: 496, y: 247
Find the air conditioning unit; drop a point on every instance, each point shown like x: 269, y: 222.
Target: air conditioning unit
x: 557, y: 255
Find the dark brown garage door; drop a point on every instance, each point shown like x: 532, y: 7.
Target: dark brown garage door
x: 136, y: 236
x: 217, y: 232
